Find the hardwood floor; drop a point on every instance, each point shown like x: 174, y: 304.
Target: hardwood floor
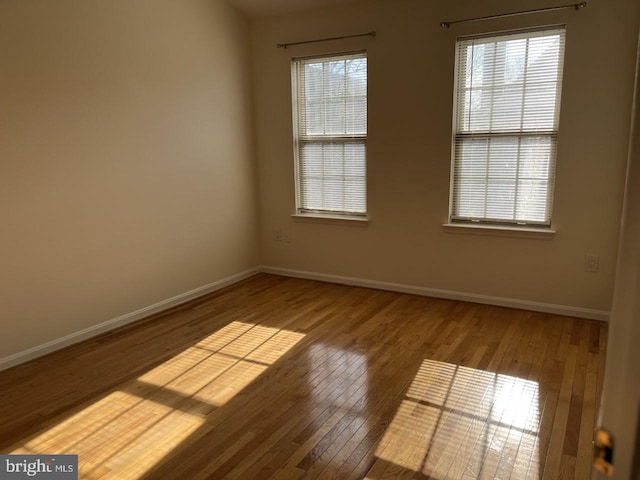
x: 287, y: 378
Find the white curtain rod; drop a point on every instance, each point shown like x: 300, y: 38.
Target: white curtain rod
x: 576, y: 6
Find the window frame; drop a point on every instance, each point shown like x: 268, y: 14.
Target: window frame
x: 490, y: 224
x: 334, y: 216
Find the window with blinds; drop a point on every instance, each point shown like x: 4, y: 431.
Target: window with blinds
x: 506, y: 127
x: 330, y: 134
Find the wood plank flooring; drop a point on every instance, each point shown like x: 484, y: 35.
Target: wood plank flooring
x: 289, y: 379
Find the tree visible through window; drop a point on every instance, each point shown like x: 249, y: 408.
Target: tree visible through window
x: 330, y: 132
x: 506, y: 127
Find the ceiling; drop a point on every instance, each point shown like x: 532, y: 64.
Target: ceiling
x: 261, y: 8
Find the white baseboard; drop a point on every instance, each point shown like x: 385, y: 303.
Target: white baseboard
x: 59, y: 343
x: 600, y: 315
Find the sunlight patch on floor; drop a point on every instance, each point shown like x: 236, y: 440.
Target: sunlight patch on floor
x: 221, y: 365
x: 129, y: 431
x: 120, y: 429
x: 459, y: 422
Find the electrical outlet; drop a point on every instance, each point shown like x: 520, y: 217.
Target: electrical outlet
x: 286, y: 236
x: 277, y: 235
x: 591, y: 263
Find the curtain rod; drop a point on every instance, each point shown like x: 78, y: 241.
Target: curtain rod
x: 576, y: 6
x: 285, y: 45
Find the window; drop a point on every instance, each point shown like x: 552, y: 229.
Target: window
x: 330, y: 134
x: 506, y: 127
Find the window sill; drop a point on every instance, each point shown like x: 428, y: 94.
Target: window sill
x: 330, y: 219
x: 500, y: 231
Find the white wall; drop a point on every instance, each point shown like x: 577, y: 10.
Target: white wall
x: 126, y: 159
x: 411, y: 63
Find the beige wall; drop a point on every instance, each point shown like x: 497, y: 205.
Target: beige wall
x: 126, y: 156
x: 126, y: 159
x: 411, y: 64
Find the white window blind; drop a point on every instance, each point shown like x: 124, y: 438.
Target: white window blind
x: 330, y: 133
x: 506, y: 127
